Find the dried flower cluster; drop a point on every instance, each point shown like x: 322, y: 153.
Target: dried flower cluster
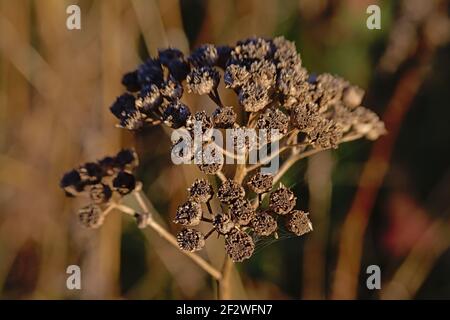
x: 239, y: 221
x: 100, y: 181
x: 273, y: 91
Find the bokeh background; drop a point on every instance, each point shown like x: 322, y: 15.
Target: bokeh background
x: 384, y: 202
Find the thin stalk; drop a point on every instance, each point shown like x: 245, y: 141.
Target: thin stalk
x: 166, y: 235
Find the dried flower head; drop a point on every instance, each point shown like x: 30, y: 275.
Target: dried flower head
x: 205, y: 55
x: 368, y: 123
x: 176, y: 114
x: 224, y: 117
x: 202, y: 80
x: 235, y: 76
x: 352, y: 96
x: 172, y: 90
x: 223, y: 223
x: 260, y: 183
x: 298, y: 222
x: 241, y: 211
x: 201, y: 191
x: 100, y: 193
x: 190, y: 240
x: 91, y: 216
x: 174, y: 60
x: 264, y: 224
x: 305, y: 117
x: 239, y: 245
x: 273, y: 119
x: 148, y: 99
x: 210, y: 168
x: 326, y: 134
x: 230, y: 191
x: 188, y: 214
x: 124, y: 182
x: 282, y: 200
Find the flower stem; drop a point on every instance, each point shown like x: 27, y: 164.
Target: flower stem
x: 166, y: 235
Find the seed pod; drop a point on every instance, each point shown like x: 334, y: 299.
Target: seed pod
x: 190, y: 240
x: 189, y: 214
x: 239, y: 245
x: 223, y: 223
x: 230, y: 191
x: 264, y: 224
x: 282, y: 200
x: 124, y: 183
x: 91, y: 216
x: 201, y: 191
x: 241, y: 211
x: 100, y: 193
x: 260, y: 183
x: 298, y: 222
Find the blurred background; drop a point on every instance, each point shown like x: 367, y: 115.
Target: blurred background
x: 384, y: 203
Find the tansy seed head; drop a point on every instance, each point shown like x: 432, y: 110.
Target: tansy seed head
x: 206, y: 55
x: 91, y: 216
x: 298, y: 222
x: 260, y: 183
x: 190, y: 240
x: 224, y: 117
x: 202, y: 80
x: 124, y: 183
x: 126, y: 159
x: 189, y: 214
x: 131, y: 82
x: 176, y: 114
x: 172, y: 89
x: 241, y: 211
x: 201, y: 191
x: 149, y: 98
x: 239, y: 245
x: 223, y: 223
x: 282, y: 200
x: 264, y: 224
x: 230, y: 191
x: 100, y: 193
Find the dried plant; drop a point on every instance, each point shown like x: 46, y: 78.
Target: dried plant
x: 274, y: 92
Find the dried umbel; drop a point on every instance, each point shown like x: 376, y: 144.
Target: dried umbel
x: 274, y: 93
x: 100, y: 182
